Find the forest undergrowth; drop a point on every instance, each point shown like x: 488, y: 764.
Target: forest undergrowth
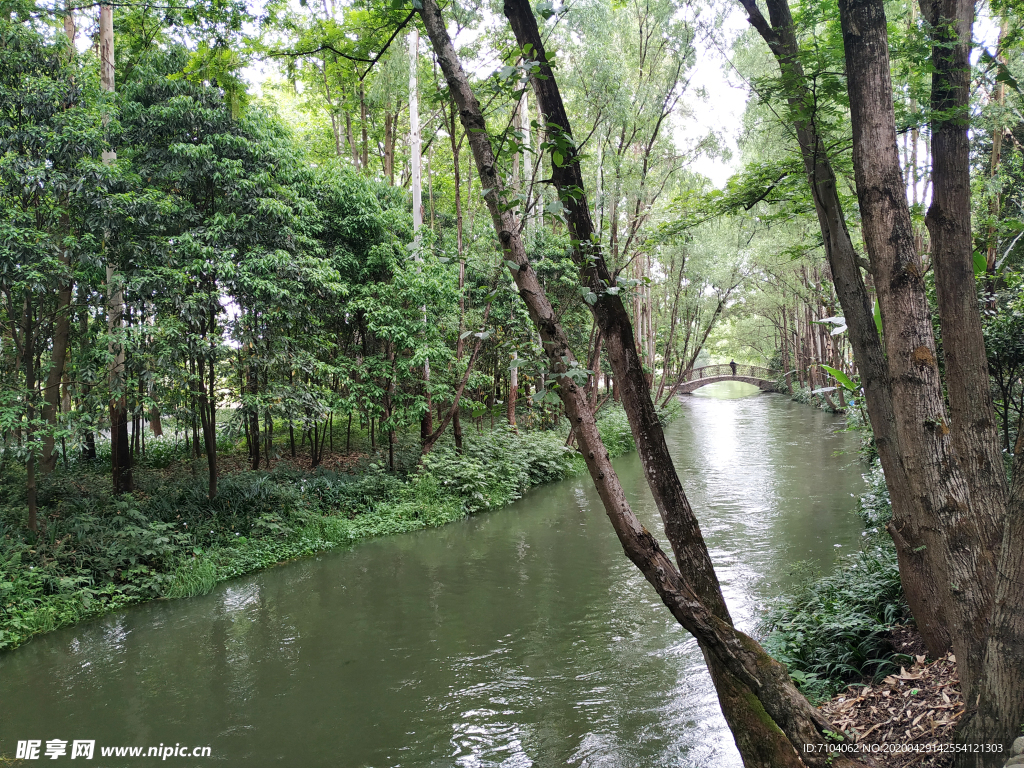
x: 837, y: 628
x: 96, y: 552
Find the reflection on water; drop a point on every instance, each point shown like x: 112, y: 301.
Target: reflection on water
x: 518, y: 638
x: 727, y: 390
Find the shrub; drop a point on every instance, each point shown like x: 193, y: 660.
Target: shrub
x: 616, y: 435
x: 835, y: 629
x: 95, y: 552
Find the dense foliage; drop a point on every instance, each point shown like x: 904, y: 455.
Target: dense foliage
x: 169, y: 539
x: 194, y: 270
x: 836, y: 628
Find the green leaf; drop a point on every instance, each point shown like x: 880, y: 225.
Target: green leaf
x: 878, y: 317
x: 841, y: 377
x: 980, y: 263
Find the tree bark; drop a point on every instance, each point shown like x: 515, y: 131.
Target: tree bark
x: 253, y: 418
x: 972, y: 414
x: 950, y: 466
x: 208, y: 420
x: 768, y: 701
x: 925, y: 601
x: 120, y: 451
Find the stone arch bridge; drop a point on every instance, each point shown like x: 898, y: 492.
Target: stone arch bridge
x: 763, y: 378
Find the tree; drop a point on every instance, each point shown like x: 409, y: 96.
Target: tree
x: 50, y: 184
x: 768, y: 715
x: 971, y: 532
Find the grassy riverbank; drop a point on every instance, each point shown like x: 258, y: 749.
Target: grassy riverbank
x: 838, y: 627
x: 95, y: 552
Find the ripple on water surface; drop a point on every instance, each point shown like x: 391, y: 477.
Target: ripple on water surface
x: 518, y: 638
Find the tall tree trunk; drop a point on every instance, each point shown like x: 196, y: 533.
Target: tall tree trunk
x: 666, y: 362
x: 459, y: 345
x: 414, y: 132
x: 362, y: 125
x: 765, y: 699
x: 949, y: 463
x: 390, y: 127
x: 120, y: 453
x: 426, y: 423
x: 1000, y: 680
x: 206, y: 420
x: 62, y: 323
x: 513, y: 390
x: 926, y: 602
x: 252, y: 387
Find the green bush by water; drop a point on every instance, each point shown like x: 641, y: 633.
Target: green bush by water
x: 834, y: 629
x: 95, y: 553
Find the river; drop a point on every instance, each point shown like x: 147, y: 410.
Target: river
x: 520, y: 637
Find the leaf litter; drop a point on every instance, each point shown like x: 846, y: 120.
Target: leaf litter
x: 910, y: 715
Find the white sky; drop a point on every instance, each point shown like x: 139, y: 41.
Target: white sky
x: 723, y: 109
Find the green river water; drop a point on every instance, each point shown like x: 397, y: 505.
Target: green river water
x: 521, y: 637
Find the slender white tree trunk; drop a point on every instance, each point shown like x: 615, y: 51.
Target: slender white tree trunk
x: 414, y: 133
x: 426, y: 426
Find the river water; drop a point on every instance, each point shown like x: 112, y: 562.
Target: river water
x: 521, y: 637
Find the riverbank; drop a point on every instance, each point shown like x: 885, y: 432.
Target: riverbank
x: 843, y: 626
x: 96, y: 553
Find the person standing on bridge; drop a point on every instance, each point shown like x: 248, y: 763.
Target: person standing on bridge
x: 732, y: 364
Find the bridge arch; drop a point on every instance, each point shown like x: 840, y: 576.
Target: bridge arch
x: 764, y: 379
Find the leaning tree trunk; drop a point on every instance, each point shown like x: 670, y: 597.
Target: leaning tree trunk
x: 765, y: 700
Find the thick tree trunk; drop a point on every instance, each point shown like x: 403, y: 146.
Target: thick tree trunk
x: 1000, y: 679
x: 962, y: 525
x: 766, y: 700
x: 972, y: 415
x: 925, y: 601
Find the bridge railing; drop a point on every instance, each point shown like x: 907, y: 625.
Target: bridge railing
x: 726, y: 369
